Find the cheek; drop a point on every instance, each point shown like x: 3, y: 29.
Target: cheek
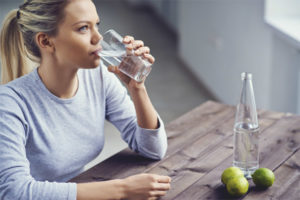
x: 75, y: 48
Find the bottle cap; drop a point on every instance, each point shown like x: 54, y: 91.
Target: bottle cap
x: 246, y: 76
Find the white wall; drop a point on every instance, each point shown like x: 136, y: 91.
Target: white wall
x: 221, y: 39
x: 283, y: 17
x: 284, y: 76
x: 279, y: 8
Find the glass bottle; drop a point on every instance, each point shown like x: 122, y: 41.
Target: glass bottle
x: 246, y: 129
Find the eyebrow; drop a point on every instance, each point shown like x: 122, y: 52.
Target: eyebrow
x: 98, y: 21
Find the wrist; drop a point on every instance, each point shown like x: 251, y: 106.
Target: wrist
x: 134, y: 85
x: 136, y: 88
x: 121, y: 183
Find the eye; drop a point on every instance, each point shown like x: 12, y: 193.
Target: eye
x: 98, y: 25
x: 83, y: 28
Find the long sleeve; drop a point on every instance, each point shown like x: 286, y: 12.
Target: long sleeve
x: 16, y: 181
x: 121, y: 112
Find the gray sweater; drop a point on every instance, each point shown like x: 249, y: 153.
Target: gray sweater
x: 46, y: 140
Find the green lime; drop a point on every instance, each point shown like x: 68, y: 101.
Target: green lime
x: 237, y: 186
x: 230, y: 173
x: 263, y: 177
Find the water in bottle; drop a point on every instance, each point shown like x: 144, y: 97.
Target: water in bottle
x: 246, y: 130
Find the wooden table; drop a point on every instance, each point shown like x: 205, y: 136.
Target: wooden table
x: 201, y: 147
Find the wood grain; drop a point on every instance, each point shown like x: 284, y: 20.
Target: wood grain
x: 210, y: 186
x: 180, y: 132
x: 201, y: 147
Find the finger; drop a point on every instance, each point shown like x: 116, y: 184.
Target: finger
x: 163, y: 179
x: 152, y: 198
x: 157, y: 193
x: 142, y: 50
x: 128, y: 39
x: 149, y: 57
x: 137, y: 43
x: 113, y: 69
x: 129, y: 49
x: 162, y: 186
x: 116, y: 71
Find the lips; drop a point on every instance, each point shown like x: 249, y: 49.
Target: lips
x: 97, y: 51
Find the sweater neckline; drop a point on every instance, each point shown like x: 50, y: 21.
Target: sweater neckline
x: 55, y: 98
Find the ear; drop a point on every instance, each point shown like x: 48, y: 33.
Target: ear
x: 44, y: 42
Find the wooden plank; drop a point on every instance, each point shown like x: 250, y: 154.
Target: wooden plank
x: 181, y: 132
x: 209, y: 183
x: 210, y: 187
x: 187, y: 166
x: 191, y: 172
x: 198, y: 158
x: 197, y: 123
x: 286, y: 185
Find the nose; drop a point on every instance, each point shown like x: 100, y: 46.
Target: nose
x: 96, y: 37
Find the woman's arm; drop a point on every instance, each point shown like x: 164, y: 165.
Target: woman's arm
x: 100, y: 190
x: 141, y: 186
x: 146, y: 114
x: 149, y: 137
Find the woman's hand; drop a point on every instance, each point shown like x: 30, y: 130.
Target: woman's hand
x: 146, y: 186
x: 137, y: 48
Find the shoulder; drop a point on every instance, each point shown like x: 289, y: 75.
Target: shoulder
x: 13, y: 92
x: 9, y: 95
x: 11, y: 107
x: 21, y: 83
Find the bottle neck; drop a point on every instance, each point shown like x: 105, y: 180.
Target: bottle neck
x: 246, y: 109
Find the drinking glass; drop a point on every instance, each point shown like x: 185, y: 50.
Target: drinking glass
x: 114, y: 53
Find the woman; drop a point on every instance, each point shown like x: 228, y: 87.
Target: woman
x: 52, y: 118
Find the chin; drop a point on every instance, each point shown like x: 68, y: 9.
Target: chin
x: 92, y: 65
x: 96, y: 63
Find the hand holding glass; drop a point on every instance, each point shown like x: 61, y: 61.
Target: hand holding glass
x: 114, y: 53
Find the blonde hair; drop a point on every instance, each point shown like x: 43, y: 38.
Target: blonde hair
x: 18, y: 49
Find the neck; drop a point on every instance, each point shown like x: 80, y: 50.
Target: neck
x: 61, y: 81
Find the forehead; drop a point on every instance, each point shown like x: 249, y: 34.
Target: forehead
x: 78, y: 10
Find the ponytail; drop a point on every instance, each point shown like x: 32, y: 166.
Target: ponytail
x: 14, y: 58
x: 18, y: 49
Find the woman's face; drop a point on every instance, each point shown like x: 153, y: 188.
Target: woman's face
x: 77, y: 39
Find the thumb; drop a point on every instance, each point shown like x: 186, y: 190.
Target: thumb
x: 113, y: 69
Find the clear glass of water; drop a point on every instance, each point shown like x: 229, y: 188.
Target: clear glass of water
x: 114, y: 53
